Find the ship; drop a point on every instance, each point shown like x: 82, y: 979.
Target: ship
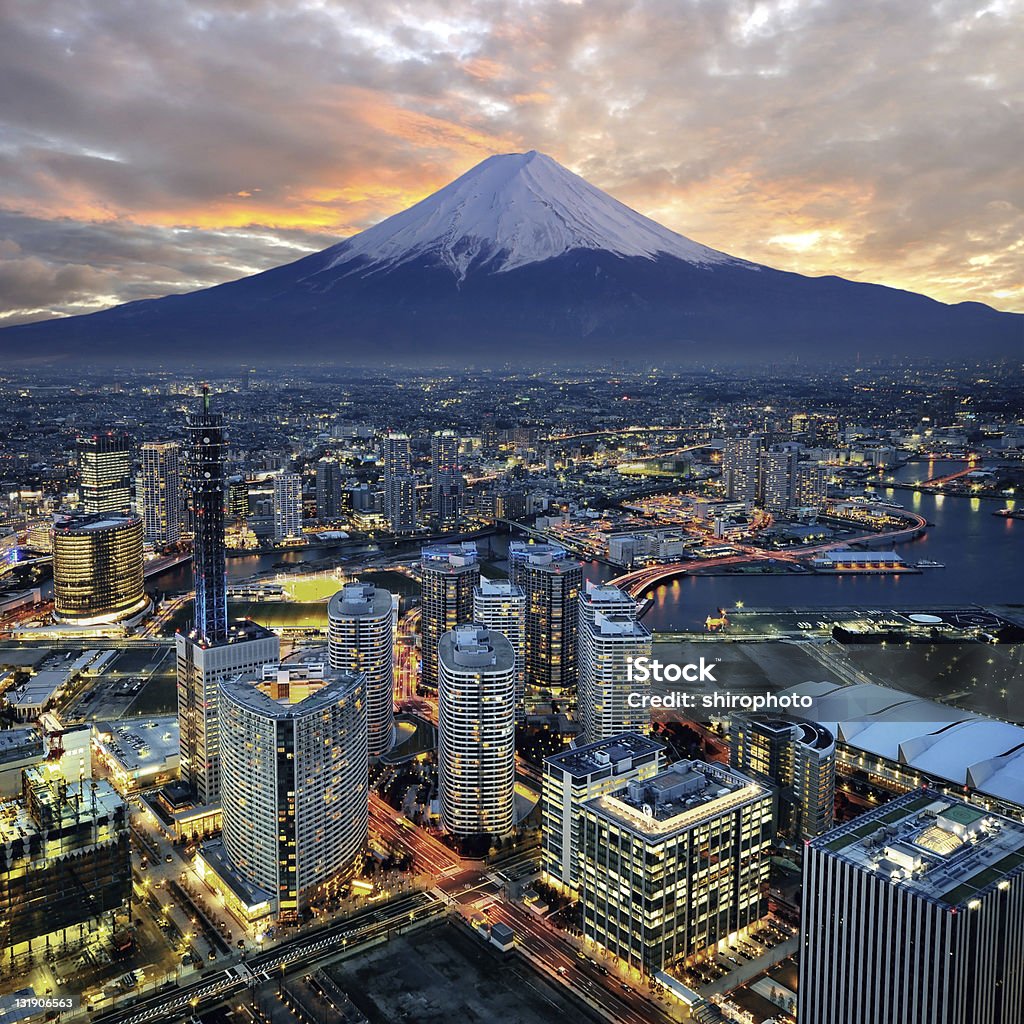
x: 926, y: 563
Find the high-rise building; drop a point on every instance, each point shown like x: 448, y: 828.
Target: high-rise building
x: 476, y: 724
x: 445, y: 479
x: 582, y: 773
x: 607, y: 646
x: 778, y: 479
x: 740, y: 468
x: 811, y: 485
x: 97, y: 569
x: 206, y: 483
x: 914, y: 912
x: 606, y: 599
x: 500, y: 605
x: 799, y: 758
x: 211, y: 651
x: 552, y: 584
x: 330, y: 479
x: 399, y: 484
x: 295, y: 779
x: 161, y: 492
x: 65, y: 863
x: 692, y: 844
x: 360, y: 638
x: 448, y: 574
x: 105, y: 473
x: 287, y: 505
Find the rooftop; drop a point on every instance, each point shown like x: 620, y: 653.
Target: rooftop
x: 947, y: 743
x: 618, y: 625
x: 290, y: 691
x: 678, y: 799
x: 359, y: 599
x: 86, y: 522
x: 468, y: 647
x: 940, y: 848
x: 498, y: 588
x: 140, y: 744
x: 617, y: 751
x: 457, y: 556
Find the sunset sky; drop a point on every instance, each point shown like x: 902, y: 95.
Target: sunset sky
x: 162, y: 146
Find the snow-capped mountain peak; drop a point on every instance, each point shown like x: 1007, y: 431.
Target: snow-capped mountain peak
x: 507, y: 212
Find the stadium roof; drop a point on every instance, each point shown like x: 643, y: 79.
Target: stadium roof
x: 943, y: 742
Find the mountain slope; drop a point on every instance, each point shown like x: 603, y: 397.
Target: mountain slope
x: 520, y: 261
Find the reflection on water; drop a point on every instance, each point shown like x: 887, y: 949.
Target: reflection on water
x: 983, y: 555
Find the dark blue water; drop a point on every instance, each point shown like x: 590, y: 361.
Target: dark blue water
x: 983, y: 555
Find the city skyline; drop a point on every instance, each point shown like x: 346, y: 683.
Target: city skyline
x: 116, y: 190
x: 313, y: 759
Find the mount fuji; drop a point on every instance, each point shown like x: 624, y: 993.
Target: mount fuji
x: 521, y: 262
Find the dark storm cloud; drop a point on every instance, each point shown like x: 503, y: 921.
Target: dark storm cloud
x: 149, y: 148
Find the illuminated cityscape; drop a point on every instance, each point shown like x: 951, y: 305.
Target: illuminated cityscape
x: 334, y: 713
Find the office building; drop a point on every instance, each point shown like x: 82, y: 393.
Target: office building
x: 399, y: 484
x: 295, y: 780
x: 448, y: 575
x: 740, y: 468
x: 210, y: 651
x: 287, y: 506
x: 445, y: 479
x: 914, y: 912
x: 500, y: 605
x: 580, y: 774
x: 360, y: 637
x: 65, y: 863
x: 674, y: 864
x: 811, y: 485
x: 778, y: 480
x: 161, y: 492
x: 330, y: 479
x: 105, y: 473
x: 476, y: 722
x: 552, y: 583
x: 797, y: 757
x: 97, y: 569
x: 608, y: 644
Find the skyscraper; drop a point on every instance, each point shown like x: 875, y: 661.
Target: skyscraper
x: 445, y: 479
x: 287, y: 505
x: 693, y: 842
x: 476, y: 754
x: 161, y: 492
x: 552, y: 584
x: 360, y: 640
x: 399, y: 484
x: 811, y: 490
x: 206, y: 482
x: 582, y: 773
x: 97, y: 569
x: 607, y: 646
x: 210, y: 651
x: 740, y: 468
x: 799, y: 758
x: 914, y: 912
x: 329, y: 482
x: 778, y: 479
x: 104, y: 470
x: 500, y: 605
x: 448, y: 574
x: 294, y: 775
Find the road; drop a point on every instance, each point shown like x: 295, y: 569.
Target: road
x: 301, y: 952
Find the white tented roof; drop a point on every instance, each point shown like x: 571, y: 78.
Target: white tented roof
x: 944, y: 742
